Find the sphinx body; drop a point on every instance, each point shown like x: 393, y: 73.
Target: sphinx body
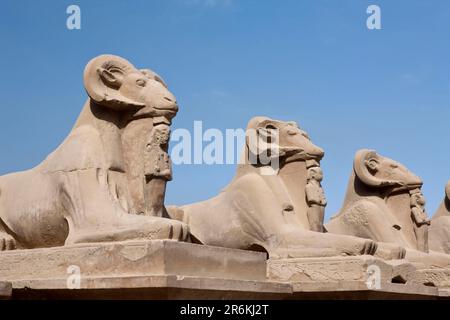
x: 265, y: 207
x: 440, y: 225
x: 378, y: 205
x: 90, y: 189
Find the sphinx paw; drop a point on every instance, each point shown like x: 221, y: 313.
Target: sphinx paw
x: 369, y: 247
x: 399, y: 253
x: 178, y: 231
x: 7, y: 242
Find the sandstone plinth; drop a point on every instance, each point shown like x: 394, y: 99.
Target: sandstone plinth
x: 134, y: 258
x: 160, y: 269
x: 350, y: 278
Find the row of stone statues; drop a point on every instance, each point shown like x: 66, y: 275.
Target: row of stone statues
x: 107, y: 182
x: 384, y: 202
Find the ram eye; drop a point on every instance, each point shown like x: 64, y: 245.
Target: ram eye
x: 141, y: 82
x: 292, y: 132
x: 394, y: 166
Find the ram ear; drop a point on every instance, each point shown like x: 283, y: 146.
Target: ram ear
x: 366, y: 165
x: 447, y: 190
x: 103, y: 78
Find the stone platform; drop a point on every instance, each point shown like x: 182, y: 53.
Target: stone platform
x: 332, y: 269
x: 347, y: 278
x: 176, y: 270
x: 146, y: 269
x: 358, y: 290
x: 133, y: 258
x: 162, y: 287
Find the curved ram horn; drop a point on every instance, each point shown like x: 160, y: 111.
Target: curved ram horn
x: 107, y: 94
x: 255, y: 122
x: 362, y: 171
x: 253, y: 141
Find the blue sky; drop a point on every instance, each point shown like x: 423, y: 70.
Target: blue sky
x: 312, y: 61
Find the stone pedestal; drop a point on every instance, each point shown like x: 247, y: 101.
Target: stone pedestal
x: 348, y: 278
x: 145, y: 269
x: 337, y: 269
x: 177, y: 270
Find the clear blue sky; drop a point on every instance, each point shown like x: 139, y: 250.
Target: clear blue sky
x: 312, y: 61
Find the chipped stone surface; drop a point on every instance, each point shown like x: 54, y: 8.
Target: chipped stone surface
x: 347, y: 277
x: 433, y: 277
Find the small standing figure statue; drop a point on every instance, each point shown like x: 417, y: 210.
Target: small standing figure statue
x: 315, y: 197
x: 420, y: 219
x: 157, y: 170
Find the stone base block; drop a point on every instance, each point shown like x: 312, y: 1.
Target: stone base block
x: 350, y: 278
x: 145, y: 269
x: 159, y: 287
x: 165, y: 269
x: 337, y: 269
x: 358, y: 290
x: 143, y: 258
